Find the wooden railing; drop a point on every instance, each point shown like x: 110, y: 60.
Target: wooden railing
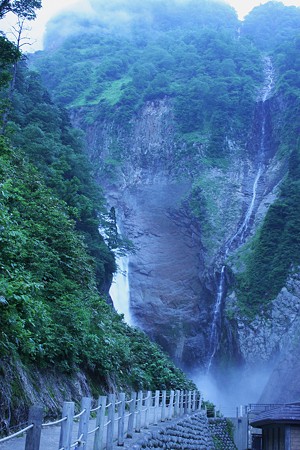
x: 115, y: 418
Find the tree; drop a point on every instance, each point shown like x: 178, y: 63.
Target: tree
x: 25, y: 9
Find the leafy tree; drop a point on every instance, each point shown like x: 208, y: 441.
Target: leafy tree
x: 22, y: 8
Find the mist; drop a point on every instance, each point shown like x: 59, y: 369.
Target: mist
x: 124, y: 16
x: 237, y: 386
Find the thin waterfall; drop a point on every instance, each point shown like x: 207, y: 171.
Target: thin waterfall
x: 214, y: 332
x: 239, y: 237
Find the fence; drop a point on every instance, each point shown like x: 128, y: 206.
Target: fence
x: 116, y: 418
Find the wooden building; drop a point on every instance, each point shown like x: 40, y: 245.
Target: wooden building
x: 280, y: 427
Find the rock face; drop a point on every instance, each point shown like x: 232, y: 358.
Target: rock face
x: 36, y: 387
x: 173, y: 274
x: 168, y: 299
x: 188, y: 433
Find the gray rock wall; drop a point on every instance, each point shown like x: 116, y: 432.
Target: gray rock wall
x: 220, y: 431
x: 190, y: 433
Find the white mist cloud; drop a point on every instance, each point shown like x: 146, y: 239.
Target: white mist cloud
x: 235, y: 387
x: 112, y: 11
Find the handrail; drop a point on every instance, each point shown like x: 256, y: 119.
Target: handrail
x: 142, y: 410
x: 18, y: 433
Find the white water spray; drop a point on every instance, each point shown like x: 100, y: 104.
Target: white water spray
x: 119, y: 290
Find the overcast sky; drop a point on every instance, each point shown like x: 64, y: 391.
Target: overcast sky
x: 52, y: 7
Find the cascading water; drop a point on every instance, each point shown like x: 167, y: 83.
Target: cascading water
x: 119, y: 290
x: 239, y: 237
x: 214, y: 333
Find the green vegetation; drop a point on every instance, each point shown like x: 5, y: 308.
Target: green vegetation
x: 54, y: 265
x: 276, y: 247
x: 272, y: 24
x: 210, y: 75
x: 189, y: 54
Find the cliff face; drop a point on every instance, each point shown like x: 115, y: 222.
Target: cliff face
x: 174, y: 272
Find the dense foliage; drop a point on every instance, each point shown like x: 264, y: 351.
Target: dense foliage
x: 195, y: 55
x: 191, y: 56
x: 272, y: 24
x: 24, y: 9
x: 53, y: 260
x: 276, y: 248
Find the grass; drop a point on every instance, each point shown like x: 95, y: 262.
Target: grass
x: 111, y: 93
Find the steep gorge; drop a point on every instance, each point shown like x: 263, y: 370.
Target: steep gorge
x: 192, y: 172
x: 173, y: 276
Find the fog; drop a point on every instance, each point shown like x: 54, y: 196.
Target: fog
x: 109, y: 12
x: 234, y: 387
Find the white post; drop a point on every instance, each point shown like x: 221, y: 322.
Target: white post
x: 171, y: 405
x: 177, y: 398
x: 111, y: 422
x: 181, y: 403
x: 98, y: 441
x: 131, y: 415
x: 65, y: 439
x: 156, y: 407
x: 148, y: 402
x: 189, y: 406
x: 194, y: 401
x: 121, y: 419
x: 83, y: 427
x: 139, y: 412
x: 163, y: 406
x: 200, y: 402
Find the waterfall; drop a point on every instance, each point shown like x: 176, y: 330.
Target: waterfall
x: 119, y: 290
x: 214, y: 332
x: 239, y: 237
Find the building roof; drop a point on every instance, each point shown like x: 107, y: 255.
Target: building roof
x: 288, y: 413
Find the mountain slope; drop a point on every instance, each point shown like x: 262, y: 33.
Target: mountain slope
x: 191, y: 129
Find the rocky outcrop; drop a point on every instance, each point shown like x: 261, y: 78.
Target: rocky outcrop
x: 149, y: 176
x: 272, y: 331
x: 187, y: 433
x: 21, y: 386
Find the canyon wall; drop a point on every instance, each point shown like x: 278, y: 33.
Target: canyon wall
x: 175, y: 269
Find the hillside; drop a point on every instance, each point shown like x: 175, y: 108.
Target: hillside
x: 190, y: 121
x: 59, y: 339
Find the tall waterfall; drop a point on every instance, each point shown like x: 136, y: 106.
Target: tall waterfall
x: 240, y: 235
x: 119, y: 290
x: 216, y: 323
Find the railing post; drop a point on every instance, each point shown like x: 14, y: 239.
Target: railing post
x: 171, y: 405
x: 131, y: 415
x: 111, y: 421
x: 98, y: 441
x: 177, y: 398
x: 139, y: 412
x: 33, y: 436
x: 83, y: 427
x: 185, y: 404
x: 181, y: 403
x: 156, y: 407
x: 65, y: 439
x: 200, y: 402
x: 194, y: 401
x: 189, y: 402
x: 121, y: 419
x: 147, y: 411
x: 163, y: 406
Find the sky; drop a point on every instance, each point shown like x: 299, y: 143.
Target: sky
x: 51, y: 8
